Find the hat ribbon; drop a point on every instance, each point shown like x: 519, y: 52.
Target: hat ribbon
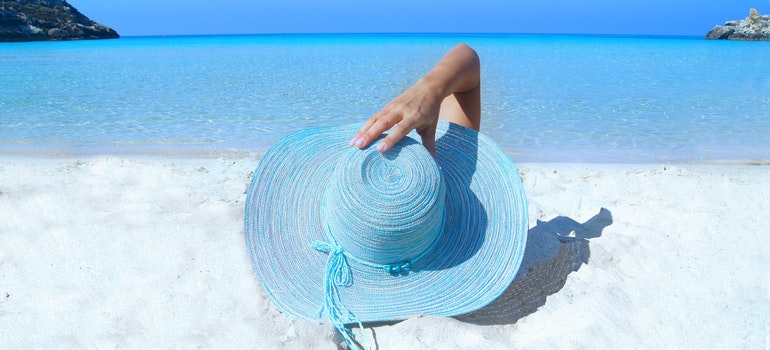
x: 338, y: 274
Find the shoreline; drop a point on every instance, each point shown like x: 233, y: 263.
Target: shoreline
x: 145, y: 251
x: 236, y: 154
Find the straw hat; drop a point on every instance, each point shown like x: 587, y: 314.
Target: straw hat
x: 358, y: 236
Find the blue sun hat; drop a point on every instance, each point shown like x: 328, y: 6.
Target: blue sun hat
x: 358, y: 236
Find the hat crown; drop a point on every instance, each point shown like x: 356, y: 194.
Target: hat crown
x: 385, y: 208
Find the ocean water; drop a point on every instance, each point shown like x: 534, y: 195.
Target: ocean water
x: 545, y: 97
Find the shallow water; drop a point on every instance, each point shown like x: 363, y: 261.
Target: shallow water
x: 545, y: 97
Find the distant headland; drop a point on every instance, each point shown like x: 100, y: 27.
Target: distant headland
x: 38, y: 20
x: 755, y: 27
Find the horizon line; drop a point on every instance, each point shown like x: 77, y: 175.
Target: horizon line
x: 671, y: 36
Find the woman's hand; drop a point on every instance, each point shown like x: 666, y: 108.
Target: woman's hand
x: 451, y: 91
x: 416, y: 108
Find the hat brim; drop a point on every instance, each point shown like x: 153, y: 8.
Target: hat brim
x: 474, y: 261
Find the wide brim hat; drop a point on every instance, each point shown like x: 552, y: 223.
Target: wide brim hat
x: 293, y: 220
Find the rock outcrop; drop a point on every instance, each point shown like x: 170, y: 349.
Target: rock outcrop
x: 755, y: 27
x: 34, y: 20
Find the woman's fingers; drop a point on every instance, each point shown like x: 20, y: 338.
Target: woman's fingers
x: 397, y: 132
x: 357, y: 139
x: 415, y: 108
x: 373, y: 128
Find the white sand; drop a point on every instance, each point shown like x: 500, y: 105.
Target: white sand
x: 148, y: 253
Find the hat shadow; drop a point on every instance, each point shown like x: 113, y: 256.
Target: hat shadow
x: 468, y: 210
x: 554, y: 249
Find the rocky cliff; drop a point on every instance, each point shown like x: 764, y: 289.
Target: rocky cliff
x: 755, y: 27
x: 32, y: 20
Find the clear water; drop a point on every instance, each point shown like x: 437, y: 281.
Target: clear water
x: 545, y: 97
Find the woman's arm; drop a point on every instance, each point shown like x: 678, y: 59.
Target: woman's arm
x: 450, y: 91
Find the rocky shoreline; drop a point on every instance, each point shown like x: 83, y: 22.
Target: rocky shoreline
x: 41, y: 20
x: 755, y: 27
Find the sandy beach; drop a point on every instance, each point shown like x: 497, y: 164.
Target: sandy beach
x: 148, y: 252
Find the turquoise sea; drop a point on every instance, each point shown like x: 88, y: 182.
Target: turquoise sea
x: 545, y: 97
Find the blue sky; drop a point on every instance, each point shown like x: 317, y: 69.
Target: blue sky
x: 645, y: 17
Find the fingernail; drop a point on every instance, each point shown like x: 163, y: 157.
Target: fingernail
x: 380, y: 146
x: 360, y: 142
x: 352, y: 141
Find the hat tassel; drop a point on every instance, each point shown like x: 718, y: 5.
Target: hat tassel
x: 338, y: 274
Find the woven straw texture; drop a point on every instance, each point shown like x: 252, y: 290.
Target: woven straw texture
x: 473, y: 260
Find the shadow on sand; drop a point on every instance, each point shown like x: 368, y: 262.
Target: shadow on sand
x: 555, y: 249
